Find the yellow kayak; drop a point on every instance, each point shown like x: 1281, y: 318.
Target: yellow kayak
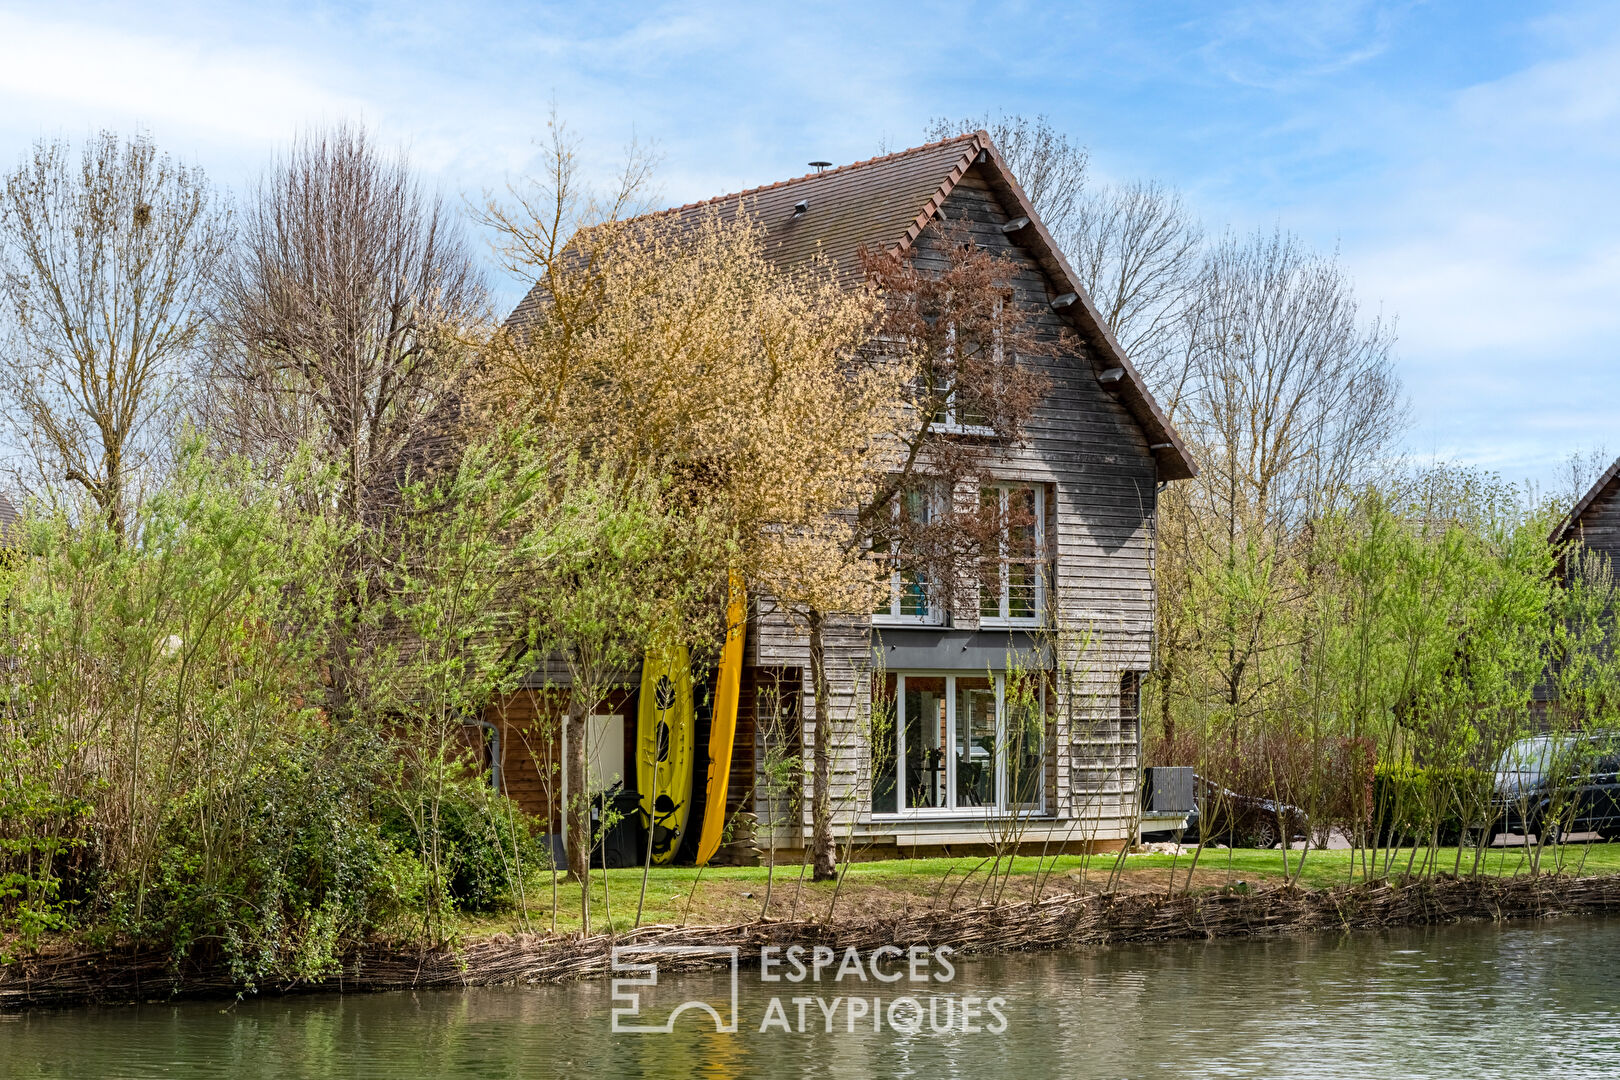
x: 664, y: 748
x: 723, y: 729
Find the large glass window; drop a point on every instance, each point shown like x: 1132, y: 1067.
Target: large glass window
x: 976, y: 724
x: 924, y: 727
x: 957, y: 410
x: 1012, y: 577
x: 1024, y: 699
x: 911, y: 596
x: 958, y: 743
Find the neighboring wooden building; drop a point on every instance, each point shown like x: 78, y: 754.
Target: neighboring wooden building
x: 10, y: 524
x: 1593, y: 523
x: 1096, y: 455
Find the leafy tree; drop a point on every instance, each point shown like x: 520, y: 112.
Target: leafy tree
x: 687, y: 357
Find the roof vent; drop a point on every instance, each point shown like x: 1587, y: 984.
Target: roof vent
x: 820, y: 165
x: 801, y: 207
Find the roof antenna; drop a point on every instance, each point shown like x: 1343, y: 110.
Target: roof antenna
x: 819, y: 166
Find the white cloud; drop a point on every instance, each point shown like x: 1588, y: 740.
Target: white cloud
x: 1494, y: 234
x: 96, y: 73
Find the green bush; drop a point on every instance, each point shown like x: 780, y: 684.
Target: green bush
x: 483, y: 843
x: 1411, y: 801
x: 302, y: 872
x: 41, y: 845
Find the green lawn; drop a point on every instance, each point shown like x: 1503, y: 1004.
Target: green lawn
x: 736, y: 894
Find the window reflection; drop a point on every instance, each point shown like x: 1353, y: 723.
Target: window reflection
x: 958, y: 742
x: 975, y: 742
x: 925, y: 737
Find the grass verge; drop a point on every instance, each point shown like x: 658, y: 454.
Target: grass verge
x: 728, y: 895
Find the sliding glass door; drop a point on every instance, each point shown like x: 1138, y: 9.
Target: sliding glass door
x: 955, y: 743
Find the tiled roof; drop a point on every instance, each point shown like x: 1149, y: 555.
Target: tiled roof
x: 886, y: 202
x: 873, y: 202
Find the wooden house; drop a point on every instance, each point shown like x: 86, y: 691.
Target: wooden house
x: 1592, y: 524
x: 960, y: 771
x: 1594, y: 521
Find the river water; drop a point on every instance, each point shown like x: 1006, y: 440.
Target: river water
x: 1518, y: 1000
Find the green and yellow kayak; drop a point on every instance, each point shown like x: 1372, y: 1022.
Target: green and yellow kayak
x: 723, y: 728
x: 664, y: 748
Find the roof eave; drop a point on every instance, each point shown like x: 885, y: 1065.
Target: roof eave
x: 1170, y: 453
x: 1567, y: 525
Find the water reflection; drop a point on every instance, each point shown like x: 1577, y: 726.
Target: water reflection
x: 1514, y: 1001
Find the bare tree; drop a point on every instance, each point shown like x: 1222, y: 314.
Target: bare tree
x: 1581, y: 470
x: 1138, y: 251
x: 546, y: 214
x: 1051, y: 169
x: 1293, y: 403
x: 106, y: 271
x: 346, y: 313
x: 1296, y: 396
x: 1135, y: 246
x: 350, y: 313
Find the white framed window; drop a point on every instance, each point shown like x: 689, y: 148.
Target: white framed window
x: 913, y: 598
x: 967, y: 745
x: 956, y: 416
x: 1012, y: 577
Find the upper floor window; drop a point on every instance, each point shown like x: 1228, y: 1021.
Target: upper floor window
x: 913, y: 595
x: 955, y: 410
x: 954, y: 413
x: 1012, y: 577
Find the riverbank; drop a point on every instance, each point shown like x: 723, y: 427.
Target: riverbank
x: 67, y: 976
x: 723, y: 896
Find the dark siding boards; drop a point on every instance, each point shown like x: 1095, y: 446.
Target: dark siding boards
x: 1594, y: 524
x: 529, y: 722
x: 530, y: 725
x: 1598, y: 527
x: 1086, y: 446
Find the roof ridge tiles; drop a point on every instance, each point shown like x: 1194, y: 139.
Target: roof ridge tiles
x: 881, y: 158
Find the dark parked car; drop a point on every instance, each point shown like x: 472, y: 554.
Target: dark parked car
x: 1224, y: 816
x: 1549, y: 785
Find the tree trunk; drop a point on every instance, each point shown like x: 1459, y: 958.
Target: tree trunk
x: 577, y: 822
x: 822, y: 868
x: 1167, y: 719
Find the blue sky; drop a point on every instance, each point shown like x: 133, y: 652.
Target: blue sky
x: 1463, y: 157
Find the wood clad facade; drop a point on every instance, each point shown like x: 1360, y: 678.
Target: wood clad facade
x: 1595, y: 520
x: 1093, y: 459
x: 1593, y: 523
x: 1098, y: 451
